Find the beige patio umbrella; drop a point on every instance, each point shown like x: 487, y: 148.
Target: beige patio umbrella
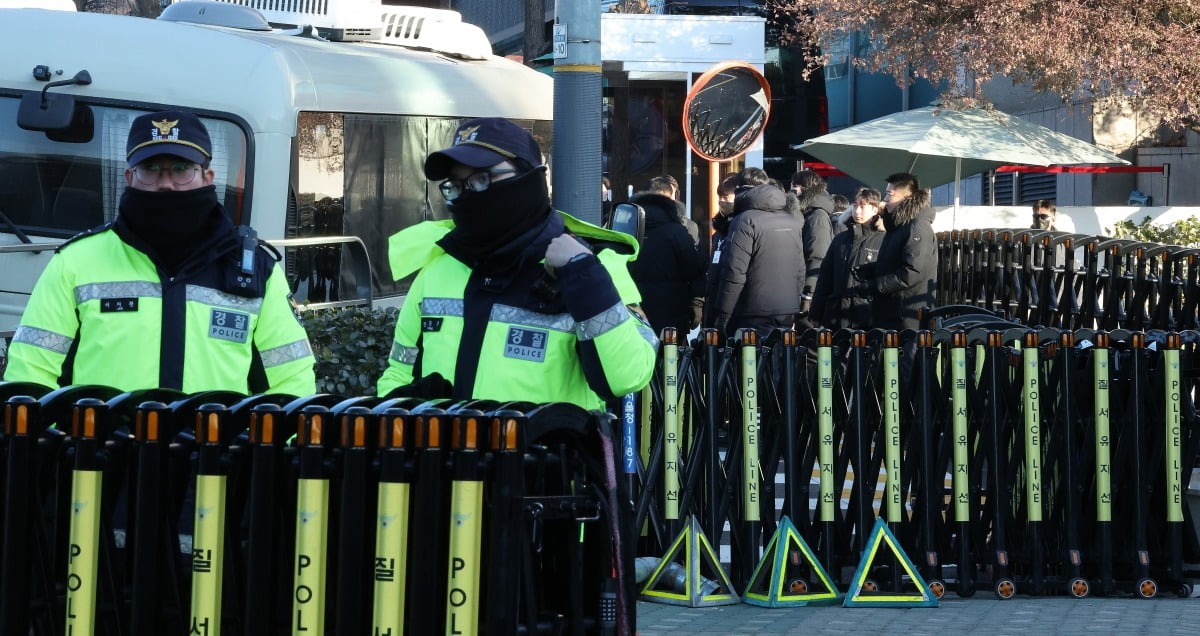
x: 942, y: 145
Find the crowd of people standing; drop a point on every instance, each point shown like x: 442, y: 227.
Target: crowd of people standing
x: 788, y: 255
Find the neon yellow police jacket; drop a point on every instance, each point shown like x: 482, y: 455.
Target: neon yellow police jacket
x: 101, y: 313
x: 521, y: 336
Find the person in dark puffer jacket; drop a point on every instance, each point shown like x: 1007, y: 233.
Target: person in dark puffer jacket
x: 667, y: 265
x: 835, y: 304
x: 816, y: 206
x: 759, y: 276
x: 904, y: 279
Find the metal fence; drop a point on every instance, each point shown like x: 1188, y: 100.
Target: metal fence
x: 153, y: 512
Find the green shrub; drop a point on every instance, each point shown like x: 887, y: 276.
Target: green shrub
x: 1185, y: 232
x: 352, y: 347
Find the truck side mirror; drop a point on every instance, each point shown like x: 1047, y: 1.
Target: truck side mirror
x: 630, y: 219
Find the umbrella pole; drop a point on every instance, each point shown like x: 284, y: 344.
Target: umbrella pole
x: 714, y: 181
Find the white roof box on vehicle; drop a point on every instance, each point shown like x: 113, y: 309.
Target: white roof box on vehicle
x: 437, y: 30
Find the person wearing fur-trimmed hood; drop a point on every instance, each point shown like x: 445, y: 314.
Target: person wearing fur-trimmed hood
x: 904, y: 278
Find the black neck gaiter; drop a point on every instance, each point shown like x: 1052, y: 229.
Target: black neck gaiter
x: 485, y: 222
x: 172, y: 223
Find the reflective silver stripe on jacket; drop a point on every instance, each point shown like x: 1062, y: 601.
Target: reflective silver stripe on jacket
x: 442, y: 307
x: 217, y: 298
x: 402, y: 354
x: 48, y: 340
x: 602, y: 323
x: 648, y: 334
x: 124, y: 289
x: 286, y: 353
x: 517, y: 316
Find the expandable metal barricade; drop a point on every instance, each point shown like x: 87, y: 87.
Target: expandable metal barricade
x: 217, y: 513
x: 997, y: 457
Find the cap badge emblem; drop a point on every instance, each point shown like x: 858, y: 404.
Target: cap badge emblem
x: 466, y: 134
x: 165, y: 127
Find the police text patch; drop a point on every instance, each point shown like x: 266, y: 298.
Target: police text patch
x: 431, y: 324
x: 118, y: 304
x: 229, y: 325
x: 526, y: 344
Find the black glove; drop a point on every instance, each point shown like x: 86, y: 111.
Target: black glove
x: 866, y: 271
x: 864, y: 287
x: 429, y: 387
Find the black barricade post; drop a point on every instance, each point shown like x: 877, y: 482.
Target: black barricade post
x: 1135, y: 433
x: 712, y: 459
x: 995, y: 441
x: 266, y: 566
x: 793, y: 476
x: 208, y: 531
x: 928, y: 515
x: 312, y: 522
x: 83, y: 556
x: 466, y: 524
x: 354, y: 523
x: 22, y: 426
x: 392, y: 516
x: 427, y: 556
x: 155, y: 604
x: 505, y: 525
x: 859, y: 432
x: 1069, y: 464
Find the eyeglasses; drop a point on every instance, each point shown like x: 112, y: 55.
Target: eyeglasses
x: 181, y: 172
x: 477, y: 182
x: 1041, y: 217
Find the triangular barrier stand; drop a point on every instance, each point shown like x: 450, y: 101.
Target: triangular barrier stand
x: 699, y: 581
x: 789, y: 574
x: 866, y: 593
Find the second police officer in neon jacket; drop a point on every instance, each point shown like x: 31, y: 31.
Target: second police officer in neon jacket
x: 508, y: 303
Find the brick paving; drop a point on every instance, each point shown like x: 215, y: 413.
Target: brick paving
x: 1165, y: 615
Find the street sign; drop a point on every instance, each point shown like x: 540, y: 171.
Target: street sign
x: 560, y: 41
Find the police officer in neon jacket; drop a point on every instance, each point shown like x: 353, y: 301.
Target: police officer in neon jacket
x: 170, y: 294
x: 513, y: 300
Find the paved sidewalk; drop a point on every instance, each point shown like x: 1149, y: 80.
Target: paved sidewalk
x: 979, y: 615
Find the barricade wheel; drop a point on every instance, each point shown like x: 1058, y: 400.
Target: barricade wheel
x: 1005, y: 589
x: 1078, y: 587
x: 870, y: 585
x: 1147, y: 588
x: 937, y: 588
x: 798, y: 586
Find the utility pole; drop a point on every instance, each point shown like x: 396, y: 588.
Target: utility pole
x: 576, y: 155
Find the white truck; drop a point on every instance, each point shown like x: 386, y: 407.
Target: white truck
x: 320, y: 117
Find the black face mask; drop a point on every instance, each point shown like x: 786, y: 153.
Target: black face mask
x: 172, y: 223
x: 485, y: 221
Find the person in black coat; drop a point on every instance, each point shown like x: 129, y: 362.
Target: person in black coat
x: 759, y: 276
x: 667, y: 265
x: 816, y: 206
x: 836, y: 303
x: 904, y: 279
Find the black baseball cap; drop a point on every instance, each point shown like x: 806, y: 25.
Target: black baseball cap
x: 484, y: 142
x: 169, y: 132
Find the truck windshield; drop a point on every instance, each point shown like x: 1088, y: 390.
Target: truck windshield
x: 58, y: 184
